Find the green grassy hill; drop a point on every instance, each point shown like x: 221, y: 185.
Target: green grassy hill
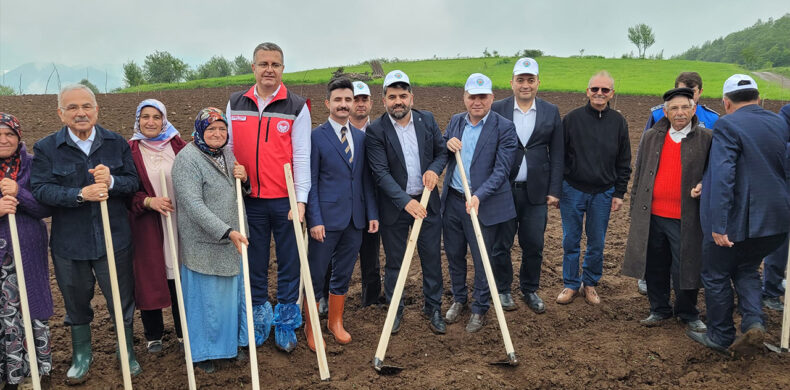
x: 632, y: 76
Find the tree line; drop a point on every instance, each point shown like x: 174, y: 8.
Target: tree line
x: 763, y: 45
x: 163, y: 67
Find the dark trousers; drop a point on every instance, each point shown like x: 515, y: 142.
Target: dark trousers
x: 153, y: 323
x: 774, y: 271
x: 369, y: 268
x: 530, y: 223
x: 340, y: 248
x: 77, y: 278
x: 663, y: 265
x: 738, y: 265
x: 394, y: 237
x: 267, y: 217
x: 458, y: 232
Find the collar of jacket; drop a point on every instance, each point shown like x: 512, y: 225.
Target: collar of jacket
x: 593, y: 111
x: 662, y: 126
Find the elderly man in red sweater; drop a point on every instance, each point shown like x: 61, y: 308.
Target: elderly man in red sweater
x: 665, y: 237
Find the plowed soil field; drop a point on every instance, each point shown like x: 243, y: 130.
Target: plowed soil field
x: 576, y: 346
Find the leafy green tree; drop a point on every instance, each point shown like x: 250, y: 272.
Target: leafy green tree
x: 162, y: 67
x: 241, y: 65
x: 216, y: 66
x: 642, y: 36
x: 762, y: 44
x: 133, y: 74
x: 6, y: 91
x: 90, y: 85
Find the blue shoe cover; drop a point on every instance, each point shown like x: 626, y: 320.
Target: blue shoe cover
x: 262, y: 318
x: 287, y: 317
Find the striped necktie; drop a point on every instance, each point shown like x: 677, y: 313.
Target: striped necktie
x: 346, y: 146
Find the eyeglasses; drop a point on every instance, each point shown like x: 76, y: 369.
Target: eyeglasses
x: 273, y: 65
x: 602, y: 89
x: 72, y: 108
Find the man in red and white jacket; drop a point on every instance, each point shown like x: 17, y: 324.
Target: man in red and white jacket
x: 269, y: 127
x: 665, y: 236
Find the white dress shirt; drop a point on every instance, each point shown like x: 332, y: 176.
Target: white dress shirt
x: 411, y: 154
x: 337, y: 127
x: 678, y: 135
x: 525, y: 125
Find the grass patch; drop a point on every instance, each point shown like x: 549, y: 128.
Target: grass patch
x: 632, y: 76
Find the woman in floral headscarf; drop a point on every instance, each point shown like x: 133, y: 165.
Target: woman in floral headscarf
x: 208, y: 227
x: 154, y: 145
x: 17, y: 199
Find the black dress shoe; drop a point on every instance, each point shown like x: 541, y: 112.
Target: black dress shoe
x: 476, y: 322
x: 750, y: 342
x: 773, y: 303
x: 454, y: 312
x: 534, y: 302
x: 323, y: 307
x: 654, y: 319
x: 398, y: 319
x: 703, y: 339
x: 696, y: 326
x: 507, y: 302
x: 641, y: 286
x: 437, y: 323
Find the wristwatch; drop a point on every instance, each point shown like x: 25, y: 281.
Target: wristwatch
x: 80, y: 199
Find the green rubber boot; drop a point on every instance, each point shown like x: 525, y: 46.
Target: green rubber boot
x: 134, y: 366
x: 81, y: 354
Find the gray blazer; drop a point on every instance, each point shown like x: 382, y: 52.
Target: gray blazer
x: 206, y: 199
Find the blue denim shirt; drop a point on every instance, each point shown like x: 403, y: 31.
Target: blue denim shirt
x: 60, y: 171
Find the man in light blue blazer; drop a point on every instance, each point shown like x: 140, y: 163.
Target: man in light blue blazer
x: 744, y: 212
x: 339, y: 206
x: 486, y: 142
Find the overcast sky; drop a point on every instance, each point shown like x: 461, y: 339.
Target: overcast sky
x: 328, y: 33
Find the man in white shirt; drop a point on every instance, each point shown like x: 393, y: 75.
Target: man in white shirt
x: 407, y: 154
x: 536, y: 181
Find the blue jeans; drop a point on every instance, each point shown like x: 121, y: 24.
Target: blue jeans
x: 574, y: 204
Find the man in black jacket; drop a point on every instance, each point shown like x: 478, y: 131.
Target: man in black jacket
x: 597, y: 168
x: 536, y: 181
x: 406, y: 153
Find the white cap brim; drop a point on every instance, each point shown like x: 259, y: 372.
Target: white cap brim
x: 480, y: 91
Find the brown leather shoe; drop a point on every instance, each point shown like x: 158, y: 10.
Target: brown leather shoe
x: 590, y: 295
x: 567, y: 296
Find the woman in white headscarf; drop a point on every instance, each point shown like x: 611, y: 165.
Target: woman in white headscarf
x: 154, y: 145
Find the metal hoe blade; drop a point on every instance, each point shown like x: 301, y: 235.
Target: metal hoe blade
x: 511, y: 361
x: 382, y: 369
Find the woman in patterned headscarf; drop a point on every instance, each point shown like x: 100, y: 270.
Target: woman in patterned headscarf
x: 208, y: 227
x: 17, y: 198
x: 154, y: 146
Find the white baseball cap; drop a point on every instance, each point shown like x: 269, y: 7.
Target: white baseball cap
x: 396, y: 76
x: 361, y: 88
x: 525, y: 65
x: 738, y: 82
x: 478, y: 84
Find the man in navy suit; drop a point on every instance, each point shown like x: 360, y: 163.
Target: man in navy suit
x: 486, y: 142
x: 744, y: 213
x: 406, y: 154
x: 774, y: 264
x: 536, y: 181
x: 340, y: 204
